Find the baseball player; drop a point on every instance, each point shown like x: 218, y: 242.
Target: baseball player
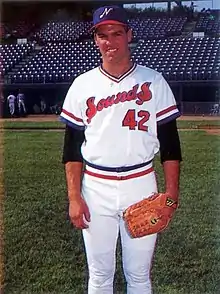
x: 116, y: 125
x: 21, y: 102
x: 11, y: 104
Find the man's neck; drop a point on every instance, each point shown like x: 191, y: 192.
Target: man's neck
x: 117, y: 70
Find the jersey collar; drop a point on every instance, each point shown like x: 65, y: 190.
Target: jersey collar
x: 117, y: 79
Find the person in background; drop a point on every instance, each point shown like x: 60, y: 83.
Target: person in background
x: 11, y: 99
x: 21, y: 103
x: 43, y: 105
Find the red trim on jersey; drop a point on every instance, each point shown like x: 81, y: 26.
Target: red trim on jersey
x: 115, y: 79
x: 120, y: 178
x: 162, y: 112
x: 72, y: 115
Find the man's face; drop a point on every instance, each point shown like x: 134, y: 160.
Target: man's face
x: 112, y: 41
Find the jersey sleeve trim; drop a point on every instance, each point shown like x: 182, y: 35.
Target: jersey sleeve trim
x: 71, y: 124
x: 167, y: 112
x: 72, y: 120
x: 70, y: 115
x: 164, y: 111
x: 169, y: 118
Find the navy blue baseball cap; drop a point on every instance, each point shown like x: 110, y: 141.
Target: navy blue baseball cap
x: 109, y: 15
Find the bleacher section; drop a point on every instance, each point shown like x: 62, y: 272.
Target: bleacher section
x: 58, y: 62
x: 149, y: 28
x: 19, y: 30
x: 65, y: 53
x: 178, y: 59
x: 12, y: 54
x: 181, y: 59
x: 157, y: 28
x: 62, y: 31
x: 209, y: 24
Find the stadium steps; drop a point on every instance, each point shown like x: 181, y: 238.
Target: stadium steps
x: 188, y: 29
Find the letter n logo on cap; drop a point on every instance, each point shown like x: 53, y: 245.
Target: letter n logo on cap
x: 106, y: 12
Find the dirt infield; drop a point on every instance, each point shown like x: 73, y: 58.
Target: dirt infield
x: 213, y: 132
x: 37, y: 118
x: 199, y: 118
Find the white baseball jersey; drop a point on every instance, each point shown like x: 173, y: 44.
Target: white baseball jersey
x: 119, y: 115
x: 11, y: 99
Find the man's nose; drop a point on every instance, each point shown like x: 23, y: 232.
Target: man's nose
x: 109, y: 41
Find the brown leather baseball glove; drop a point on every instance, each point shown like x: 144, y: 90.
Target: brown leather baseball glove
x: 149, y: 216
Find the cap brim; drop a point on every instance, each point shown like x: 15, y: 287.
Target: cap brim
x: 107, y: 22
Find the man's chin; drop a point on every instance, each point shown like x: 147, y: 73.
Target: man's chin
x: 112, y: 59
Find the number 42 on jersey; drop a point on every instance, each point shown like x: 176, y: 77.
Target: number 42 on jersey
x: 133, y: 121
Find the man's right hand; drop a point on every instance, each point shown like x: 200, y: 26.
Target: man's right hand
x: 78, y: 210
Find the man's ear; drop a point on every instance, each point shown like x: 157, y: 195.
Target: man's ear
x: 95, y: 39
x: 129, y: 35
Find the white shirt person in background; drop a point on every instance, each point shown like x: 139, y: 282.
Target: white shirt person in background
x: 11, y: 99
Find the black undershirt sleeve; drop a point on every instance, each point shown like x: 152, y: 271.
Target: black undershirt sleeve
x: 73, y: 140
x: 168, y: 137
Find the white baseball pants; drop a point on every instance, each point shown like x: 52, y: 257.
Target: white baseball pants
x: 21, y: 105
x: 107, y: 199
x: 12, y: 108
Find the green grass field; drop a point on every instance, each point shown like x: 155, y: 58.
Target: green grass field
x: 57, y: 124
x: 44, y: 254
